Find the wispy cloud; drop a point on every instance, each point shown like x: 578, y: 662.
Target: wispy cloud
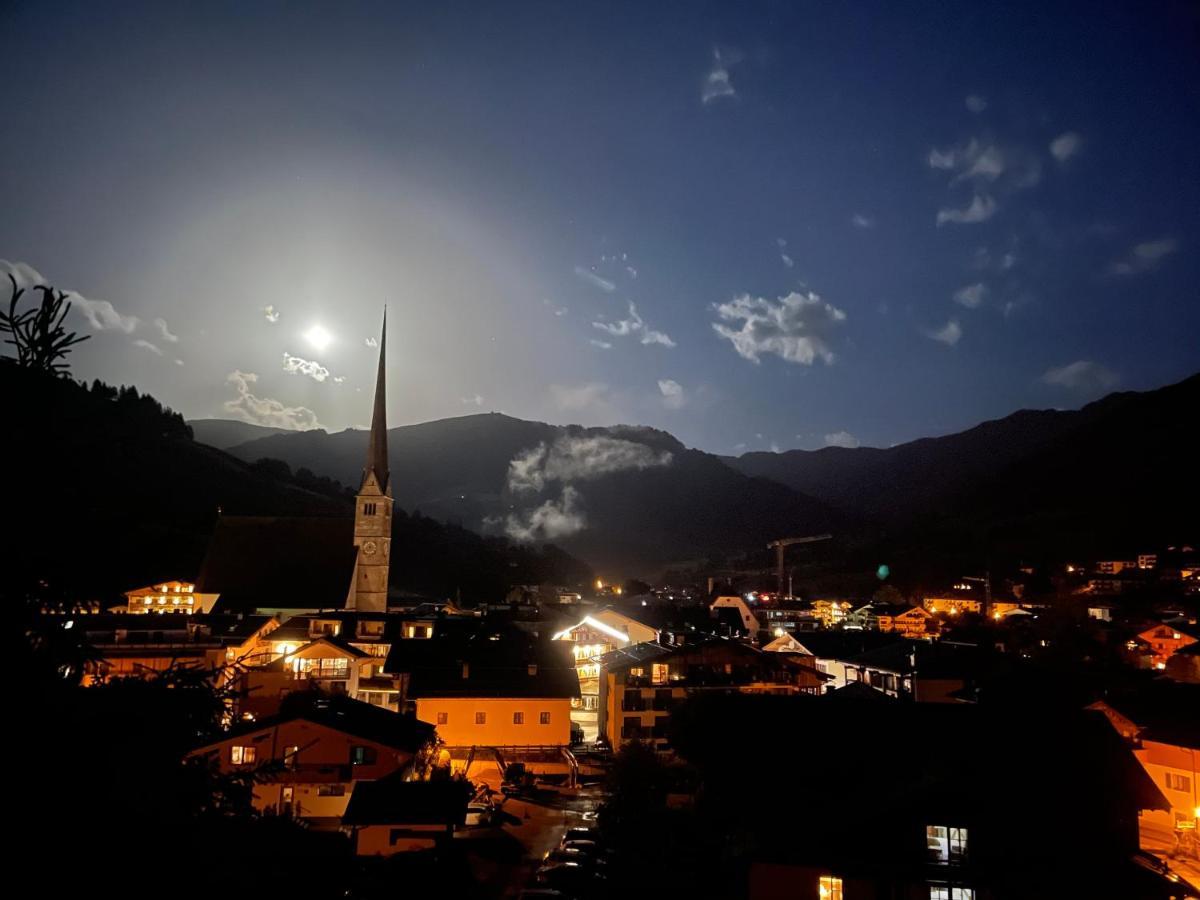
x: 949, y: 334
x: 976, y: 103
x: 717, y: 83
x: 787, y: 260
x: 371, y: 342
x: 672, y: 393
x: 146, y: 345
x: 1082, y: 375
x: 971, y: 295
x: 795, y: 327
x: 262, y: 410
x: 294, y: 365
x: 858, y: 220
x: 161, y: 325
x: 603, y: 345
x: 572, y: 459
x: 1145, y: 257
x: 841, y: 439
x: 980, y: 209
x: 592, y: 278
x: 635, y: 326
x: 271, y: 314
x: 100, y: 314
x: 473, y: 400
x: 1065, y: 146
x: 551, y: 520
x: 578, y: 398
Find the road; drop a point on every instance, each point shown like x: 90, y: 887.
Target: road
x: 1159, y: 841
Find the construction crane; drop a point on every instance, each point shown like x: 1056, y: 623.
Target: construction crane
x: 782, y: 544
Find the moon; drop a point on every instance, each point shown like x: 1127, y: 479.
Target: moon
x: 318, y: 337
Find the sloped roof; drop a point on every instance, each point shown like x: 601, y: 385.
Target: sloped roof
x: 393, y: 801
x: 510, y: 666
x: 276, y: 561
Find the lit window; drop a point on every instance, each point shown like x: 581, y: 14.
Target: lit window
x: 362, y: 756
x: 829, y: 888
x: 946, y: 845
x: 291, y: 756
x: 443, y: 718
x: 480, y: 718
x: 658, y: 673
x: 241, y: 756
x: 331, y: 790
x: 518, y: 718
x: 945, y: 892
x: 544, y: 718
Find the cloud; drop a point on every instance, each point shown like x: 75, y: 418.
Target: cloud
x: 146, y: 345
x: 161, y: 325
x: 787, y: 260
x: 264, y: 411
x: 571, y: 459
x: 371, y: 342
x: 1145, y: 257
x: 858, y: 220
x: 101, y: 315
x: 717, y: 83
x: 841, y: 439
x: 271, y: 314
x: 635, y: 326
x: 474, y: 400
x: 1065, y: 146
x: 603, y: 345
x: 981, y: 208
x: 672, y: 393
x: 592, y: 278
x: 179, y: 362
x: 1082, y: 375
x: 551, y: 520
x: 975, y: 103
x: 631, y: 271
x: 971, y: 296
x: 294, y: 365
x: 794, y: 327
x: 949, y: 334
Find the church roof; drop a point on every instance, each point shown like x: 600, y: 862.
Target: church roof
x: 279, y: 562
x: 377, y: 448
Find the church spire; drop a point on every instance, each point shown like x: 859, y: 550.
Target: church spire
x: 377, y: 448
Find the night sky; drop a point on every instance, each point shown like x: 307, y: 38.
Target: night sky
x: 754, y: 225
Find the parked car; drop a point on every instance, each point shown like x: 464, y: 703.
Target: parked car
x: 588, y: 848
x: 570, y: 878
x: 579, y: 833
x: 572, y: 855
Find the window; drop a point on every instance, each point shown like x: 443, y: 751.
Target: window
x: 544, y: 718
x: 1179, y: 783
x: 480, y: 718
x: 829, y: 888
x: 946, y: 844
x: 331, y: 790
x: 443, y: 718
x: 291, y: 756
x: 241, y: 756
x: 518, y: 718
x: 945, y: 892
x: 591, y: 701
x: 362, y: 756
x: 658, y: 673
x: 368, y: 509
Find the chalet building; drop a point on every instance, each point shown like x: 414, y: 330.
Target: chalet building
x: 831, y: 612
x: 899, y: 618
x: 928, y: 672
x: 496, y: 690
x: 642, y: 683
x: 1184, y: 664
x: 958, y: 817
x: 310, y: 757
x: 166, y: 597
x: 1162, y: 641
x: 748, y: 621
x: 136, y: 645
x: 395, y: 815
x: 591, y: 636
x: 787, y: 616
x: 833, y: 651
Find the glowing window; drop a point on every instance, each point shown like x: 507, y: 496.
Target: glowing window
x: 946, y: 844
x: 829, y: 888
x: 362, y: 756
x: 241, y: 756
x: 658, y: 673
x: 945, y: 892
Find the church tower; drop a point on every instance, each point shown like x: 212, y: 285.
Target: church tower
x: 373, y: 507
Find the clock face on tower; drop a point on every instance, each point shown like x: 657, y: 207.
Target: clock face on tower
x: 369, y: 548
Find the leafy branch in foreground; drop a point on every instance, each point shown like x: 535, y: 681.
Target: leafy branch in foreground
x: 41, y: 340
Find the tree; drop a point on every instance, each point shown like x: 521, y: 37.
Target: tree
x: 38, y: 333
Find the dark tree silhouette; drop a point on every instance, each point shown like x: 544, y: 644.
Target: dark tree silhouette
x: 38, y: 333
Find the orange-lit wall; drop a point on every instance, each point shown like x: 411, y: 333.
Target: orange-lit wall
x: 375, y: 840
x: 499, y: 730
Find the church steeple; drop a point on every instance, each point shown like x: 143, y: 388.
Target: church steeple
x: 377, y: 448
x: 373, y: 506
